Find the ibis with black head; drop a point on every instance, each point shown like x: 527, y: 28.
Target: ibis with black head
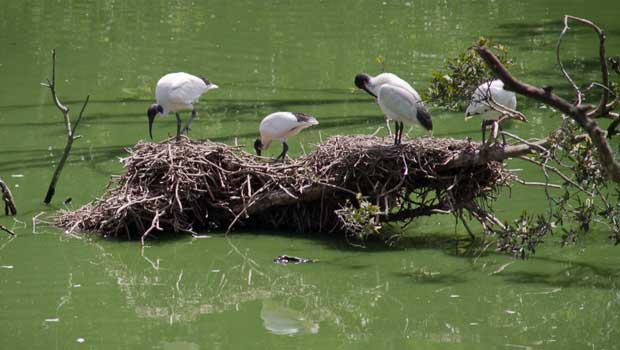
x: 398, y: 101
x: 175, y: 92
x: 281, y: 126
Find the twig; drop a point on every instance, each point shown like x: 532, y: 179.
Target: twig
x: 559, y: 173
x: 35, y: 221
x: 533, y: 183
x: 70, y: 130
x: 7, y: 230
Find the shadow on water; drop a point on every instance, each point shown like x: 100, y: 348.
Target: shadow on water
x: 451, y: 244
x: 212, y: 108
x: 512, y: 33
x: 40, y: 158
x: 573, y: 274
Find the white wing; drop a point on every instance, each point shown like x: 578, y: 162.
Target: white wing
x: 392, y: 79
x: 179, y: 90
x: 398, y: 103
x: 284, y: 124
x: 479, y: 101
x: 187, y: 88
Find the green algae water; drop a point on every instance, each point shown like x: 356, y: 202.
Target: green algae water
x: 216, y: 292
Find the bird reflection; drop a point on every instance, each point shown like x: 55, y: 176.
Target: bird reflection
x: 282, y: 320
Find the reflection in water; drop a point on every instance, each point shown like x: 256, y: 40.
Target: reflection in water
x: 279, y: 319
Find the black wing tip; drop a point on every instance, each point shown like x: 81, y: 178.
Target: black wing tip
x: 424, y: 117
x: 302, y: 117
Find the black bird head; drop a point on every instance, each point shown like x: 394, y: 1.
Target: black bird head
x: 361, y: 81
x: 151, y: 113
x: 258, y: 146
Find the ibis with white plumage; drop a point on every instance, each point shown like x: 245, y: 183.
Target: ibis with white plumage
x: 491, y: 102
x: 281, y: 126
x: 398, y: 101
x: 175, y: 92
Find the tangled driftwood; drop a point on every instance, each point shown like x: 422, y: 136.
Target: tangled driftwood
x: 196, y: 185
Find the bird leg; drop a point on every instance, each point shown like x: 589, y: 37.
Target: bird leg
x: 396, y: 133
x: 499, y: 125
x: 284, y: 150
x: 485, y: 123
x: 186, y: 128
x: 494, y: 128
x: 400, y: 137
x: 387, y: 125
x: 178, y: 126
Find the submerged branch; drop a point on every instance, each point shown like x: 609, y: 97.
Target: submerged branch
x: 7, y: 198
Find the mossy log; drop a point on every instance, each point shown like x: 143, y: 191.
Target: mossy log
x: 191, y: 185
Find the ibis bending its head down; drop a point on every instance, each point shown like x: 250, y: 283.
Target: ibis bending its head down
x: 398, y: 101
x: 281, y: 125
x: 490, y: 101
x: 175, y: 92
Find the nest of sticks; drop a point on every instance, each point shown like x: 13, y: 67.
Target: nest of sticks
x: 191, y: 185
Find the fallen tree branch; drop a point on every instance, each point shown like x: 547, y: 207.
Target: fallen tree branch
x: 70, y: 130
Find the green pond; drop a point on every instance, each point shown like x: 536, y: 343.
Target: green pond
x: 224, y: 292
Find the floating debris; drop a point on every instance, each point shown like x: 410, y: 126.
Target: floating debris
x: 285, y: 259
x: 56, y: 319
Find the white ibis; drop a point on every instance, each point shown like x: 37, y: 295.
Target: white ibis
x: 281, y: 125
x: 175, y: 92
x: 398, y: 101
x: 490, y: 101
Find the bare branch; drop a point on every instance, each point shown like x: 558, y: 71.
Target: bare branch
x: 534, y: 183
x: 579, y: 96
x: 70, y: 130
x: 77, y: 122
x: 559, y: 173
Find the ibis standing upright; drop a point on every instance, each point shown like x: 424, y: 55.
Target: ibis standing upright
x: 281, y: 126
x: 398, y: 101
x: 176, y: 92
x: 491, y: 101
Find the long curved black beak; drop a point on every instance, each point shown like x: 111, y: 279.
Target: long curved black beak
x: 151, y: 118
x: 368, y: 91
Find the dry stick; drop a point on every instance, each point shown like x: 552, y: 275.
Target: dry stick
x: 7, y: 230
x: 532, y: 183
x: 559, y: 173
x: 35, y: 220
x: 597, y: 134
x: 70, y: 130
x: 602, y: 108
x: 7, y: 197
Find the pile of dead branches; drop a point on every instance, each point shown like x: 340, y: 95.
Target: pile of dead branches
x: 187, y: 186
